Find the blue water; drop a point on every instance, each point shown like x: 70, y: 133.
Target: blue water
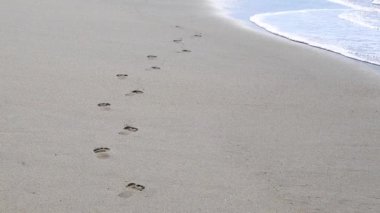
x: 348, y: 27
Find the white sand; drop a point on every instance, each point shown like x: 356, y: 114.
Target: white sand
x: 243, y: 123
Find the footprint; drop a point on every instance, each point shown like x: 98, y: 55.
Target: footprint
x: 137, y: 92
x: 121, y: 76
x: 125, y: 194
x: 104, y: 106
x: 131, y: 128
x: 198, y: 35
x: 135, y: 186
x: 184, y: 51
x: 153, y: 68
x: 128, y: 129
x: 134, y: 92
x: 151, y: 57
x: 102, y: 152
x: 131, y: 188
x: 177, y: 40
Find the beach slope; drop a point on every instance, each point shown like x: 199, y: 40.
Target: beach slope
x: 162, y: 106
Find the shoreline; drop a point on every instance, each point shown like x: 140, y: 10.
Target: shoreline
x: 318, y: 46
x: 376, y: 67
x: 258, y: 28
x: 115, y: 106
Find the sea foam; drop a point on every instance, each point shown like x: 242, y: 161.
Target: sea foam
x: 348, y: 27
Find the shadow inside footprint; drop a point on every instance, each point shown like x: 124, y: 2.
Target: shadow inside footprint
x: 178, y: 27
x: 128, y: 129
x: 153, y: 68
x: 177, y: 40
x: 121, y: 76
x: 151, y: 57
x: 134, y: 92
x: 135, y: 186
x: 131, y: 128
x: 198, y: 35
x: 185, y: 51
x: 104, y: 106
x: 102, y: 152
x: 137, y: 92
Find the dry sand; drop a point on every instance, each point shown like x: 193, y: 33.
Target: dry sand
x: 242, y: 123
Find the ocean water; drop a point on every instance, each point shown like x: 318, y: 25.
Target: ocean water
x: 347, y: 27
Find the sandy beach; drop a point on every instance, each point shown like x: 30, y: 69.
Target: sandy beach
x: 218, y: 118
